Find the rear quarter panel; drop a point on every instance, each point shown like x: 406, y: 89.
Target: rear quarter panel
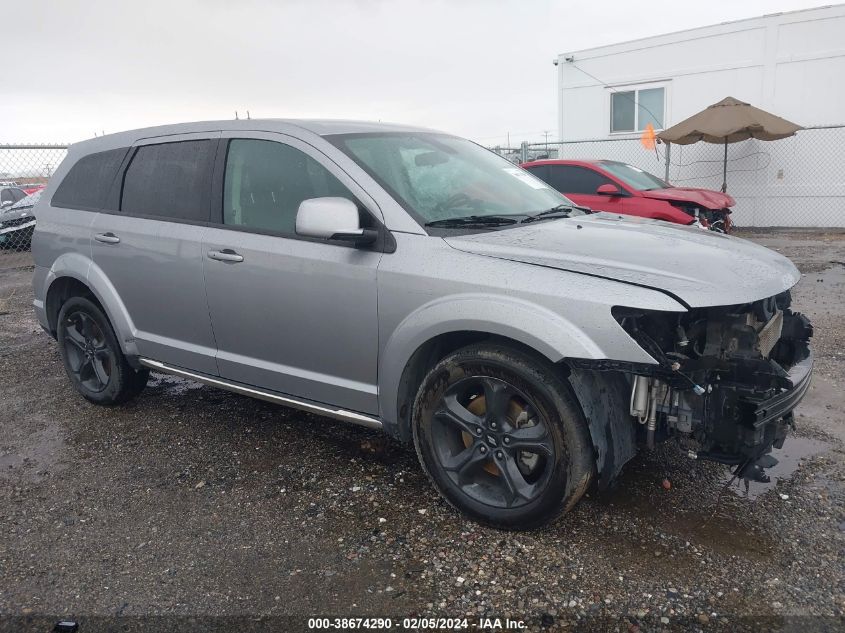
x: 61, y: 246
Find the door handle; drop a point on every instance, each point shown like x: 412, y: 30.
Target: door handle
x: 226, y: 255
x: 107, y: 238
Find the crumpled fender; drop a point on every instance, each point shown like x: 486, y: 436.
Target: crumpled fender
x: 603, y: 396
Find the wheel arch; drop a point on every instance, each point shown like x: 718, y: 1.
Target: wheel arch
x: 59, y: 291
x: 602, y: 396
x: 76, y: 275
x: 438, y: 328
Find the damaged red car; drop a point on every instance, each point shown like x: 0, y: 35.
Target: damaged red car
x: 609, y: 185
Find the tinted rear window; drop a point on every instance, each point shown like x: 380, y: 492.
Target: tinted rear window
x: 170, y: 180
x: 87, y: 183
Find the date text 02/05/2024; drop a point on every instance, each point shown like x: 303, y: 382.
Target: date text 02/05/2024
x: 417, y: 623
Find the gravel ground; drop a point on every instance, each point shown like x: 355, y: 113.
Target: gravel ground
x: 192, y: 501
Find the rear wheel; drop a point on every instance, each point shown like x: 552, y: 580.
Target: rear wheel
x: 501, y: 436
x: 92, y: 357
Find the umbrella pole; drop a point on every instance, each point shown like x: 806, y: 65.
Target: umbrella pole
x: 725, y: 168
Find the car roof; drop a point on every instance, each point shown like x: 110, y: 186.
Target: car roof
x: 571, y: 161
x: 30, y: 201
x: 319, y: 127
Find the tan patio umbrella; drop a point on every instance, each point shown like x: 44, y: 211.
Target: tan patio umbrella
x: 729, y: 121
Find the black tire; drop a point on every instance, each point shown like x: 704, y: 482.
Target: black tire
x: 461, y: 443
x: 92, y: 357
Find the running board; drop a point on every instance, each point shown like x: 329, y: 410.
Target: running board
x: 338, y: 414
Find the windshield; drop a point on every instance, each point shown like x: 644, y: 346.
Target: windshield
x: 634, y: 177
x: 438, y: 177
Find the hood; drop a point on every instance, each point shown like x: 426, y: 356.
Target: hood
x: 16, y: 214
x: 706, y: 198
x: 701, y: 268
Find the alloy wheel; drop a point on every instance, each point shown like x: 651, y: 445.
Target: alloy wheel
x: 89, y: 357
x: 492, y: 442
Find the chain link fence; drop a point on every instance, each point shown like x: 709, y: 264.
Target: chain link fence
x: 795, y: 182
x: 24, y: 172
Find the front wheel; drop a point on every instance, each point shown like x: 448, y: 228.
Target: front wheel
x: 502, y: 437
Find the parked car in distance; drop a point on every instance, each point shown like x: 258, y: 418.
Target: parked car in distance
x: 31, y: 188
x: 412, y: 281
x: 608, y: 185
x: 17, y: 223
x: 10, y: 195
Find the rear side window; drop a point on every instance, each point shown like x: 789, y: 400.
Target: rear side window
x: 170, y: 180
x: 572, y: 179
x: 87, y: 183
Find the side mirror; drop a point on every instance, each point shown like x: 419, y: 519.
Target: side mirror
x: 332, y: 219
x: 6, y: 203
x: 608, y: 190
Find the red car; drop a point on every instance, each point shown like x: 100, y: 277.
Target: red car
x: 608, y: 185
x: 32, y: 188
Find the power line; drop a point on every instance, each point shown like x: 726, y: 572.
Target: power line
x: 624, y: 93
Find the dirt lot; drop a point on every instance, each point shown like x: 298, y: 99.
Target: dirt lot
x: 196, y: 502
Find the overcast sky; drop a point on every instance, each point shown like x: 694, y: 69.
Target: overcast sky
x: 478, y: 68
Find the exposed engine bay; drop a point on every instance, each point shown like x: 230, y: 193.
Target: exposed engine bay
x: 726, y: 381
x: 718, y: 220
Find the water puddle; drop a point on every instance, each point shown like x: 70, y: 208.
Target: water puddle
x: 794, y: 450
x: 173, y: 385
x: 31, y: 459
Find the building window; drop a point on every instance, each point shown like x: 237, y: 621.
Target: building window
x: 633, y: 110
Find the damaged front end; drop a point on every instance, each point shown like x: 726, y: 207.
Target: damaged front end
x: 726, y: 381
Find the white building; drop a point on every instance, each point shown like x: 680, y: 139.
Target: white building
x: 791, y: 64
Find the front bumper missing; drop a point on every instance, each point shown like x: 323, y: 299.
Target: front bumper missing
x: 746, y: 426
x: 782, y: 404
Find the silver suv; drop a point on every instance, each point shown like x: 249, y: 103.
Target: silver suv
x: 412, y: 281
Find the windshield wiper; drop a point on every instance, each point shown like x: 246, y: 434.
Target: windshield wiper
x: 561, y: 210
x: 472, y: 220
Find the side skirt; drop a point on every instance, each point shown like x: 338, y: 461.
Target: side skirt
x: 303, y: 405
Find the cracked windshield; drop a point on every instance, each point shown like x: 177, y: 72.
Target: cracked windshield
x: 440, y: 178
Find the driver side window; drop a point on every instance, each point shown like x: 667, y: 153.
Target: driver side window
x: 577, y: 180
x: 266, y: 181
